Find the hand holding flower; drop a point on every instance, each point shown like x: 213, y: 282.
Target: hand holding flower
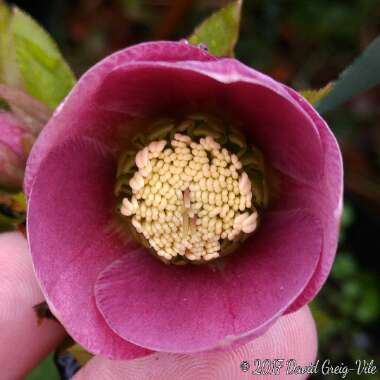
x: 293, y: 336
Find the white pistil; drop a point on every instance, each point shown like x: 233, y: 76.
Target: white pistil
x: 189, y: 197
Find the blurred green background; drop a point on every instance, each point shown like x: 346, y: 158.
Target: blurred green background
x: 305, y: 44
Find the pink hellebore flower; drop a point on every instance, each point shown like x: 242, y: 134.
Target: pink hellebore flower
x: 110, y: 294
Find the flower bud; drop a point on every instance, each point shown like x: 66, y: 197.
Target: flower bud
x: 15, y: 144
x: 19, y: 127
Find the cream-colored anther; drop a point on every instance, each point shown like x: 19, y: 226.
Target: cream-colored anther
x: 244, y: 184
x: 136, y: 182
x: 235, y: 162
x: 146, y: 170
x: 211, y: 143
x: 137, y: 225
x: 156, y: 147
x: 127, y: 208
x: 238, y: 221
x: 182, y: 138
x: 142, y: 158
x: 186, y: 198
x: 250, y: 223
x: 205, y: 144
x: 135, y: 203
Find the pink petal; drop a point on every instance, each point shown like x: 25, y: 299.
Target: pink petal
x: 195, y: 308
x: 295, y: 196
x: 78, y: 114
x: 71, y: 242
x: 325, y: 201
x: 272, y: 119
x: 141, y: 85
x: 332, y: 185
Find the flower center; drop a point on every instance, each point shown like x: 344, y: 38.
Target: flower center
x: 189, y: 197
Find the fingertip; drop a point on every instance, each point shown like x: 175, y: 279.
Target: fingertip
x: 23, y: 340
x: 291, y: 337
x: 293, y: 334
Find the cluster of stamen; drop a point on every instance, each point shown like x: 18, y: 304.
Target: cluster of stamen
x: 188, y: 197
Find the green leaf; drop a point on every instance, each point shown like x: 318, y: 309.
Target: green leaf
x: 4, y: 22
x: 344, y: 267
x: 313, y: 96
x: 45, y: 370
x: 220, y: 31
x: 360, y: 76
x: 9, y: 72
x: 46, y: 75
x: 12, y: 210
